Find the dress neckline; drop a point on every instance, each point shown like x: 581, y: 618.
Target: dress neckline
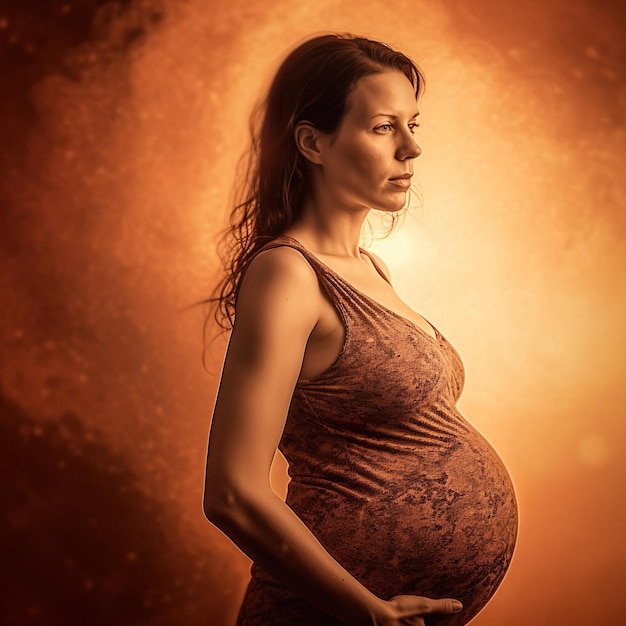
x: 438, y: 336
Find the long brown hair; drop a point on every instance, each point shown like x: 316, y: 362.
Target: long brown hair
x: 312, y: 84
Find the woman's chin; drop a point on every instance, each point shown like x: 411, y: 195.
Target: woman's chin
x: 395, y: 203
x: 396, y: 207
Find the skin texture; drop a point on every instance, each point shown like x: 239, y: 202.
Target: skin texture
x: 285, y: 327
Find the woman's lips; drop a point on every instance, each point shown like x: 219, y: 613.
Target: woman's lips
x: 401, y: 181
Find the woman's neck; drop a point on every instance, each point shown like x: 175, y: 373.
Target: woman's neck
x: 331, y: 232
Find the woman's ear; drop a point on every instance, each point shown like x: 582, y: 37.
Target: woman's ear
x: 308, y: 141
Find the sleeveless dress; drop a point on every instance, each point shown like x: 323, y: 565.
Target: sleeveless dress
x: 385, y: 471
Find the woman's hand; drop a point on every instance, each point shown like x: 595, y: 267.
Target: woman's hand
x: 409, y: 610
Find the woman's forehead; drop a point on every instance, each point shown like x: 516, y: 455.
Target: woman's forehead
x: 384, y: 93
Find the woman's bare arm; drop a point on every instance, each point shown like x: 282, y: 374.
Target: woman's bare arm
x: 277, y: 309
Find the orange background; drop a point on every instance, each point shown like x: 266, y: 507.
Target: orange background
x: 122, y: 126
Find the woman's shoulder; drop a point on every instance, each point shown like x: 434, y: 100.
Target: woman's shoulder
x: 278, y: 295
x: 282, y: 262
x: 279, y: 272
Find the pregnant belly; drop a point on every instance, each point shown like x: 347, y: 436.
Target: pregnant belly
x: 445, y: 526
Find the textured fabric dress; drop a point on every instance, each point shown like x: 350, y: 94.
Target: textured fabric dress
x: 387, y: 474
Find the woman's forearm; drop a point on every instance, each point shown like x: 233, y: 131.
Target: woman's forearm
x: 273, y: 536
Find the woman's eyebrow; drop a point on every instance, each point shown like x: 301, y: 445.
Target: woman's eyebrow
x: 392, y: 115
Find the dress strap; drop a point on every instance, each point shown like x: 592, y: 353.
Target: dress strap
x: 371, y: 257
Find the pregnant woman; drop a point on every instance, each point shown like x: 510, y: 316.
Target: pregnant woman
x: 398, y: 510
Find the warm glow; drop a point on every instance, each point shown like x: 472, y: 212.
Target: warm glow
x: 116, y: 172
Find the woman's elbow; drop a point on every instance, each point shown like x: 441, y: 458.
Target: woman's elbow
x: 235, y: 507
x: 225, y: 503
x: 219, y: 502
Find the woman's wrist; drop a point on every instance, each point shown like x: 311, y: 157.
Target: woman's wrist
x: 377, y: 613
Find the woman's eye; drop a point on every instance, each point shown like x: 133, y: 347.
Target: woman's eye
x: 384, y: 128
x: 413, y: 127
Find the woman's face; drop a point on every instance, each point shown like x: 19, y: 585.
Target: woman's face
x: 368, y: 161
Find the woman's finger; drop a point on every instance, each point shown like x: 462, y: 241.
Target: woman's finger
x: 413, y: 606
x: 443, y: 605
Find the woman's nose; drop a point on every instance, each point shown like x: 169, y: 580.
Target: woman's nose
x: 409, y: 149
